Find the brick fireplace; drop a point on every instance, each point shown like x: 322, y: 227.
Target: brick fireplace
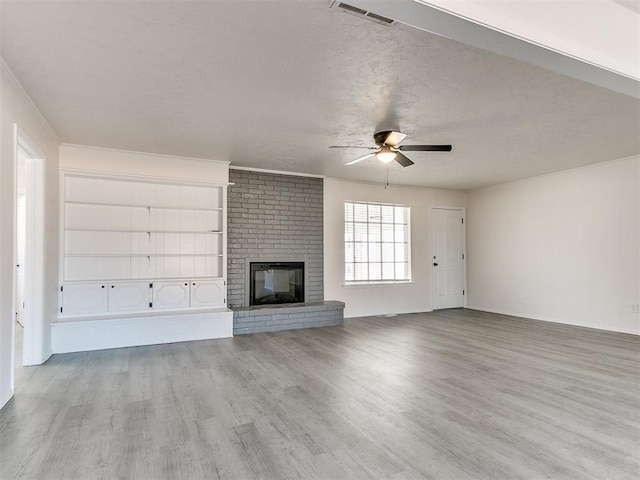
x: 276, y: 218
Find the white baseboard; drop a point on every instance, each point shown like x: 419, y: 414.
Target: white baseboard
x: 47, y: 355
x: 41, y: 359
x: 549, y: 319
x: 385, y: 314
x: 99, y: 334
x: 4, y: 400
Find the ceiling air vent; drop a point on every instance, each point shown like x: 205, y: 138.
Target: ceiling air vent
x: 359, y: 12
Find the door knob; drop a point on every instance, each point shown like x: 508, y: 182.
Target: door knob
x: 435, y: 264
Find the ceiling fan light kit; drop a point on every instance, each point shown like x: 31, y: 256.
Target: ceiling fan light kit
x: 388, y: 150
x: 386, y: 155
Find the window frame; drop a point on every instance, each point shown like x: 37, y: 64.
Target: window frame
x: 366, y: 226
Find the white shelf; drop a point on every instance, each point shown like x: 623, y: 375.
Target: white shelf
x: 142, y: 231
x: 154, y: 279
x: 151, y: 280
x: 145, y: 207
x: 137, y: 255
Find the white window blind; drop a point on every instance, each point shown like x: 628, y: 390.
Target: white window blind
x: 376, y: 242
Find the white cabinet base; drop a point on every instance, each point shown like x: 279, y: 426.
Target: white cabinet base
x: 82, y: 335
x: 129, y: 297
x: 208, y: 293
x: 168, y: 295
x: 84, y: 298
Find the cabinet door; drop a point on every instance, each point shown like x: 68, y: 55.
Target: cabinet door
x: 129, y: 296
x: 84, y: 298
x: 208, y: 293
x: 167, y: 295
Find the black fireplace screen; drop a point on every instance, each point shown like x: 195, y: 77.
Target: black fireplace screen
x: 276, y: 282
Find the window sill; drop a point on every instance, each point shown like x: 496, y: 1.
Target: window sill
x: 378, y: 284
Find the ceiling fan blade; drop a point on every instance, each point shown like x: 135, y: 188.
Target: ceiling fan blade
x: 425, y: 148
x: 402, y: 160
x: 360, y: 159
x: 352, y: 146
x: 394, y: 138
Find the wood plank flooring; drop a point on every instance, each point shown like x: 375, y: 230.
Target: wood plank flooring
x: 453, y: 394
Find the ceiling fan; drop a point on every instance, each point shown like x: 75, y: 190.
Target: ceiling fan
x: 388, y: 148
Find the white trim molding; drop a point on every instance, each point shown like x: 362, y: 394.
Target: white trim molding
x: 148, y: 154
x: 276, y: 172
x: 542, y: 318
x: 27, y: 98
x: 4, y: 400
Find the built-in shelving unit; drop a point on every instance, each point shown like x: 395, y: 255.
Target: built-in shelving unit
x: 133, y: 244
x: 143, y: 250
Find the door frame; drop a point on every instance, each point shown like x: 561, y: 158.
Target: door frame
x: 34, y: 273
x: 432, y: 252
x: 20, y: 206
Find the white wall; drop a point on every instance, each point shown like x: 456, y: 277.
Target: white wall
x: 377, y: 299
x: 17, y: 108
x: 563, y: 247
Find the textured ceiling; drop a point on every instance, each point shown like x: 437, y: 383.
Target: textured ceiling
x: 271, y: 84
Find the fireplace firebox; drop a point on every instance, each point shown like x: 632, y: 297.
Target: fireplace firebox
x: 276, y: 282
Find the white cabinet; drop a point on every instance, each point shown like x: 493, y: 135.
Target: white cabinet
x: 208, y: 293
x: 193, y: 293
x: 170, y: 295
x: 83, y: 298
x: 129, y: 296
x: 127, y: 233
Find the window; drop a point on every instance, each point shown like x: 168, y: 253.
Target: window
x: 376, y: 243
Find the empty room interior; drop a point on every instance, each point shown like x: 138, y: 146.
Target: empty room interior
x: 280, y: 239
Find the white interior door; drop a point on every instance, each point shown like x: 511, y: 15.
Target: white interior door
x: 447, y: 258
x: 30, y: 182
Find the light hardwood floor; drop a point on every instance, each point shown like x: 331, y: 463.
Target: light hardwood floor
x: 452, y: 394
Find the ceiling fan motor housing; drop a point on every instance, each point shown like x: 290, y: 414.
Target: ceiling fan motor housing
x: 380, y: 137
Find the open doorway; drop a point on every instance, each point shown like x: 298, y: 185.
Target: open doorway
x: 29, y: 251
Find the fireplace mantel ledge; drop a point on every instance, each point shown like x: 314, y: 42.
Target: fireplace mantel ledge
x: 311, y: 306
x: 287, y: 316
